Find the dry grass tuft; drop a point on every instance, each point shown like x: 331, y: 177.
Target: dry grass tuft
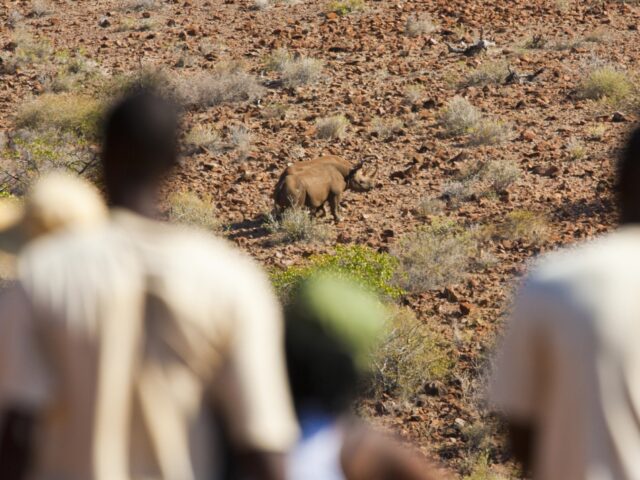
x: 606, y: 83
x: 576, y: 149
x: 296, y: 225
x: 385, y: 129
x: 488, y: 73
x: 41, y: 8
x: 331, y: 128
x: 417, y: 26
x: 301, y: 71
x: 203, y: 137
x: 229, y: 83
x: 344, y: 7
x: 410, y: 355
x: 434, y: 256
x: 189, y: 209
x: 489, y: 132
x: 459, y: 117
x: 240, y: 138
x: 523, y: 225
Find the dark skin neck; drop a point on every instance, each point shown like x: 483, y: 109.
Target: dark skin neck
x: 522, y: 440
x: 139, y: 199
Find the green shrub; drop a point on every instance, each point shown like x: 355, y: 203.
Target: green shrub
x: 79, y: 114
x: 344, y: 7
x: 410, y: 355
x: 371, y: 269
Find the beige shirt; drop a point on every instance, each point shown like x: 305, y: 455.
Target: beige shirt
x: 570, y: 363
x: 121, y: 336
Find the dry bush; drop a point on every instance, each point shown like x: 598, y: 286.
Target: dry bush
x: 275, y: 110
x: 202, y: 137
x: 80, y: 114
x: 240, y: 138
x: 429, y: 206
x: 29, y: 51
x: 576, y: 149
x: 301, y: 71
x: 296, y: 225
x: 524, y: 225
x: 499, y: 175
x: 261, y: 4
x: 74, y: 72
x: 188, y: 208
x: 488, y: 73
x: 459, y: 117
x: 229, y: 83
x: 277, y: 59
x: 334, y: 127
x: 13, y: 19
x: 413, y: 94
x: 41, y: 8
x: 410, y: 355
x: 149, y: 77
x: 384, y: 129
x: 434, y: 256
x: 489, y: 132
x: 597, y: 133
x: 606, y: 82
x: 28, y: 154
x: 140, y: 5
x: 295, y: 70
x: 457, y: 191
x: 417, y: 26
x: 480, y: 469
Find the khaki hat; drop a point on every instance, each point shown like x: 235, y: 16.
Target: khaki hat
x: 57, y: 201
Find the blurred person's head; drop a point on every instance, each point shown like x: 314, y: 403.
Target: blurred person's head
x: 56, y: 201
x: 331, y: 327
x: 140, y: 148
x: 628, y: 181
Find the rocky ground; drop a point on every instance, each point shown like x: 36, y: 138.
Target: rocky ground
x: 563, y: 144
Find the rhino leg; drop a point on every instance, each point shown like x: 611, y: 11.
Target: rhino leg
x: 334, y: 202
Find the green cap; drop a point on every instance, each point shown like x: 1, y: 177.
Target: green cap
x: 352, y: 315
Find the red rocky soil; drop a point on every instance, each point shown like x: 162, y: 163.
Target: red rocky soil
x: 369, y: 61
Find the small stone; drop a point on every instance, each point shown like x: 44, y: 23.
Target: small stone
x: 104, y: 22
x: 529, y: 135
x: 619, y: 117
x: 465, y: 308
x: 460, y: 422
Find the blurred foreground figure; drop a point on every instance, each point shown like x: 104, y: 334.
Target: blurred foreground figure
x: 122, y: 337
x: 56, y: 202
x: 568, y: 375
x: 331, y: 326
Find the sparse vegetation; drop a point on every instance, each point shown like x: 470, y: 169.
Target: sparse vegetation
x: 140, y: 5
x: 296, y: 225
x: 240, y: 138
x: 28, y: 154
x: 434, y: 256
x: 301, y: 71
x: 40, y: 8
x: 413, y: 94
x: 499, y: 175
x: 203, y: 137
x: 417, y: 26
x: 523, y: 225
x: 229, y: 83
x: 189, y: 209
x: 430, y: 206
x: 488, y: 73
x: 576, y: 149
x: 373, y: 270
x: 295, y: 70
x: 411, y: 354
x: 67, y: 112
x: 332, y: 128
x: 28, y: 51
x: 459, y: 117
x: 385, y: 129
x: 606, y: 82
x: 344, y: 7
x: 489, y: 132
x: 596, y: 133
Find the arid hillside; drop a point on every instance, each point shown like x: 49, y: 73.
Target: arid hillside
x: 493, y: 129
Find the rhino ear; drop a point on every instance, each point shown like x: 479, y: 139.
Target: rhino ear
x: 372, y: 173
